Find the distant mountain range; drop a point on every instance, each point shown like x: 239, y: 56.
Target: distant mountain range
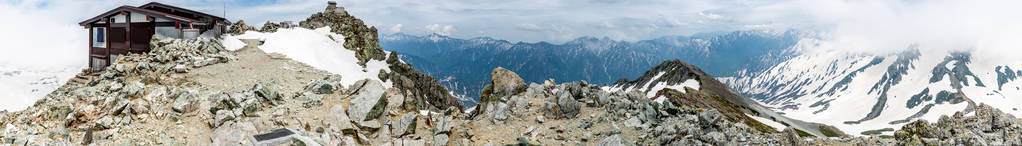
x: 868, y: 92
x: 459, y: 63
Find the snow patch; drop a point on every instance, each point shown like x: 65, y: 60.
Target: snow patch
x: 777, y: 126
x: 690, y: 83
x: 318, y: 48
x: 232, y: 43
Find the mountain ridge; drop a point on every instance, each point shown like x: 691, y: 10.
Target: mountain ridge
x: 601, y: 62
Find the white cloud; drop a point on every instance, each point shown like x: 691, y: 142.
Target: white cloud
x: 881, y: 26
x: 710, y: 15
x: 440, y: 29
x: 396, y: 28
x: 529, y: 27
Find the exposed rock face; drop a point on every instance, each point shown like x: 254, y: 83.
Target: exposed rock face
x: 503, y: 84
x: 422, y: 90
x: 496, y: 95
x: 358, y: 37
x: 988, y: 126
x: 270, y: 27
x: 240, y: 27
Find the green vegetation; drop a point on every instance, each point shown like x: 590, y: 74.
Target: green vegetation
x: 830, y: 131
x: 877, y: 131
x: 803, y: 133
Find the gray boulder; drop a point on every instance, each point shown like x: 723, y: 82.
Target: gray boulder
x: 106, y: 122
x: 341, y: 119
x: 134, y: 88
x: 500, y: 112
x: 710, y: 117
x: 442, y: 124
x: 267, y: 94
x: 309, y: 100
x: 180, y: 68
x: 221, y: 117
x: 233, y: 134
x: 184, y: 103
x: 321, y: 87
x: 404, y: 126
x: 564, y: 107
x: 369, y: 103
x: 504, y: 84
x: 440, y: 140
x: 615, y: 140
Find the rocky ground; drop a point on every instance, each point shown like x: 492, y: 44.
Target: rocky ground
x: 984, y: 126
x: 194, y: 92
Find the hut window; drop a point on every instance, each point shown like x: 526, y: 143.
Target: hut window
x: 99, y: 37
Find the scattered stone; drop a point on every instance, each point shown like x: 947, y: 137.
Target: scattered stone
x: 105, y: 123
x: 310, y: 100
x: 614, y: 140
x: 222, y: 116
x: 443, y: 124
x: 404, y: 126
x: 633, y: 122
x: 321, y: 87
x: 500, y: 112
x: 440, y: 140
x: 180, y: 68
x: 267, y: 94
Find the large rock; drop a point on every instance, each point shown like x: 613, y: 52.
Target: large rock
x: 269, y: 95
x: 564, y: 106
x: 504, y: 83
x: 790, y: 137
x: 404, y: 126
x: 240, y: 27
x: 500, y: 112
x: 321, y: 87
x: 442, y: 124
x: 233, y: 134
x: 615, y: 140
x: 310, y: 100
x: 183, y: 103
x: 369, y: 103
x: 710, y: 117
x: 341, y: 119
x: 269, y: 27
x: 221, y: 117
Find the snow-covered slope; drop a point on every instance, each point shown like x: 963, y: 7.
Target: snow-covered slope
x: 858, y: 92
x: 319, y: 48
x: 687, y: 85
x: 20, y: 87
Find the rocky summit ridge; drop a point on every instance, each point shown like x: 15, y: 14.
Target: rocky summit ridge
x: 195, y: 92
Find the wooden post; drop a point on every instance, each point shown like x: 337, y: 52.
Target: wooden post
x: 127, y: 30
x: 89, y: 26
x: 109, y: 24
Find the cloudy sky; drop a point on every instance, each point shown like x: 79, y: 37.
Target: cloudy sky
x: 44, y: 27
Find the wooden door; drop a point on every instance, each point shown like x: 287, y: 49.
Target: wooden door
x: 141, y: 34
